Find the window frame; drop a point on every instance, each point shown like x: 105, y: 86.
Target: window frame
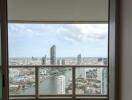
x: 114, y: 8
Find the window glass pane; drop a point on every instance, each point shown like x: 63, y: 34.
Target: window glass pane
x: 91, y: 81
x: 21, y: 81
x: 58, y: 44
x: 55, y: 81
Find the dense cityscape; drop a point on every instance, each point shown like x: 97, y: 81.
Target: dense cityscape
x: 58, y: 80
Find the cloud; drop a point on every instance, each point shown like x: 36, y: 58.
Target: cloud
x: 24, y: 30
x: 69, y: 32
x: 83, y: 32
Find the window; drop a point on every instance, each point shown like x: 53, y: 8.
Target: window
x: 58, y: 11
x: 58, y: 60
x: 65, y: 65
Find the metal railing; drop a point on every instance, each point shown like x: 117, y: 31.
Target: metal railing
x: 37, y: 96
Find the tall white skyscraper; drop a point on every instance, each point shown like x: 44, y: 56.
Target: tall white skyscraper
x: 104, y: 80
x: 61, y: 84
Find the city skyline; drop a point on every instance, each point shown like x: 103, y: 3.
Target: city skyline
x: 27, y: 40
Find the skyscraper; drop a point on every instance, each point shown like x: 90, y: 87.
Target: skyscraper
x: 44, y: 60
x: 53, y: 55
x: 61, y: 84
x: 105, y: 61
x: 63, y: 61
x: 58, y: 61
x: 104, y: 81
x: 79, y: 59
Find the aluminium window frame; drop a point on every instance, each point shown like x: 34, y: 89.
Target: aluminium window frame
x: 4, y: 48
x: 114, y: 8
x: 113, y: 50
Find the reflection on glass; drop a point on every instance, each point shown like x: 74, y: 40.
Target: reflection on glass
x: 21, y: 81
x: 55, y: 81
x: 91, y: 81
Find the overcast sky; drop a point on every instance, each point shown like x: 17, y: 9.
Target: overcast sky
x: 27, y: 40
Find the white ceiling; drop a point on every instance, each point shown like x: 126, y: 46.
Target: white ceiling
x: 58, y: 10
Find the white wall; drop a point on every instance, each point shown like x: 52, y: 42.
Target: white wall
x: 126, y: 50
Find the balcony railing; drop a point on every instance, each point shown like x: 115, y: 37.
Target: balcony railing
x: 22, y: 78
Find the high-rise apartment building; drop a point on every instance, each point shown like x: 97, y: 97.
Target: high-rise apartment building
x: 79, y: 59
x: 63, y: 61
x: 61, y: 84
x: 58, y: 62
x: 44, y: 60
x: 53, y: 55
x: 104, y: 80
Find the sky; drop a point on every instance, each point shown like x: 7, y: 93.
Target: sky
x: 27, y: 40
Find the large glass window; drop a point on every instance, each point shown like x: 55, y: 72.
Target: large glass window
x: 58, y: 59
